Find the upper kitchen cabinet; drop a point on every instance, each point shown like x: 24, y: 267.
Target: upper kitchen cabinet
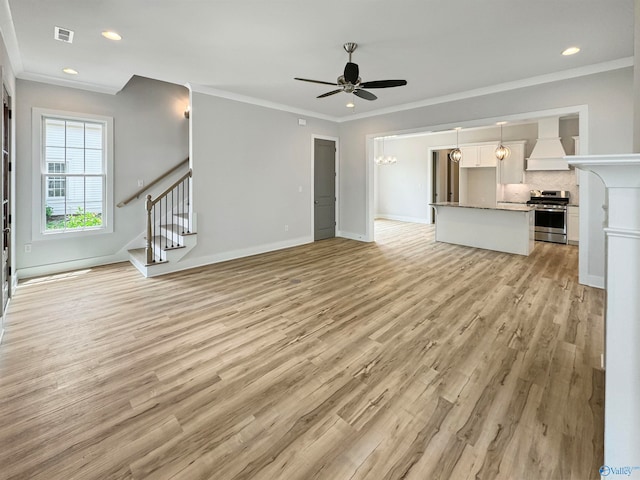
x: 469, y: 156
x: 511, y: 169
x: 487, y: 155
x: 483, y: 155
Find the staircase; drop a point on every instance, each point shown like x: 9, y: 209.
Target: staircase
x: 170, y: 231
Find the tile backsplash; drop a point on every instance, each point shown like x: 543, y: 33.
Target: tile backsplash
x: 542, y: 180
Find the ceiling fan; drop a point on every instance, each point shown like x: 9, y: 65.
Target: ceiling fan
x: 350, y: 81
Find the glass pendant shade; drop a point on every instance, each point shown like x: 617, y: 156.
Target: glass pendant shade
x: 455, y: 155
x: 385, y: 159
x: 502, y: 152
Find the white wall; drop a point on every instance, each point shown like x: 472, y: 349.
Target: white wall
x: 403, y: 188
x: 252, y: 175
x: 608, y: 97
x: 151, y: 135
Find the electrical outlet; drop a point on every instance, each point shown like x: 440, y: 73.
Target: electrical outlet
x: 141, y: 183
x: 27, y: 248
x: 286, y: 228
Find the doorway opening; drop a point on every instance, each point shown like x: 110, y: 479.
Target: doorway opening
x: 445, y: 178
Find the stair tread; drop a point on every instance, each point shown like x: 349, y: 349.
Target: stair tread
x: 164, y: 243
x: 141, y: 255
x: 175, y: 228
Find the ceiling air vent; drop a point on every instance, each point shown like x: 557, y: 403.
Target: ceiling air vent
x: 63, y: 34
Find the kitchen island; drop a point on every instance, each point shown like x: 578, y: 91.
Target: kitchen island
x: 505, y: 228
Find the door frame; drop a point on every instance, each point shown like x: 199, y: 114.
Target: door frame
x: 336, y: 164
x: 12, y: 277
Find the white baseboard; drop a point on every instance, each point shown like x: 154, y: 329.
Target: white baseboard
x: 595, y: 281
x: 401, y: 218
x: 189, y: 263
x: 351, y: 236
x: 53, y: 268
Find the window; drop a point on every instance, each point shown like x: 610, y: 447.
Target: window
x: 75, y: 164
x: 56, y: 185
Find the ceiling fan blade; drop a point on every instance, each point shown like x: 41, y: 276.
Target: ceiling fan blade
x: 364, y: 94
x: 384, y: 84
x: 315, y: 81
x: 333, y: 92
x: 351, y: 72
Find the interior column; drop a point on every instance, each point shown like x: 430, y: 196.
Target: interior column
x: 621, y: 176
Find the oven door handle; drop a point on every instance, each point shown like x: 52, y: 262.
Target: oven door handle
x: 551, y: 210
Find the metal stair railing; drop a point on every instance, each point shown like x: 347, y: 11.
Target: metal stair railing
x: 161, y: 213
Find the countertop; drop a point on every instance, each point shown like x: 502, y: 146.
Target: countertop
x: 512, y: 207
x: 524, y: 203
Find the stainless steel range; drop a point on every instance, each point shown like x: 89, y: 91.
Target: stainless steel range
x: 550, y: 214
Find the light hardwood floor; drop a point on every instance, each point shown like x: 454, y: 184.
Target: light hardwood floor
x: 403, y: 359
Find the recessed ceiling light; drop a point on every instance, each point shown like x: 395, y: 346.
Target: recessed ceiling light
x: 70, y: 71
x: 111, y: 35
x: 571, y: 51
x: 501, y: 123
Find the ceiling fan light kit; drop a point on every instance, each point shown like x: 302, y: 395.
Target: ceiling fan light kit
x: 350, y: 81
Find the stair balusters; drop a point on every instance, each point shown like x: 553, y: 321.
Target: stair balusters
x: 168, y: 217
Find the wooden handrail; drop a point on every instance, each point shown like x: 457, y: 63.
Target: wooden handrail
x: 148, y: 186
x: 168, y: 190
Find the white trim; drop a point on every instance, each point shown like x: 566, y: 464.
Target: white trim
x: 595, y: 281
x: 352, y: 236
x: 501, y: 87
x: 63, y: 82
x: 336, y: 166
x: 38, y: 193
x: 60, y: 267
x: 402, y: 218
x: 8, y: 32
x: 230, y: 255
x: 478, y: 92
x: 622, y: 232
x: 257, y: 101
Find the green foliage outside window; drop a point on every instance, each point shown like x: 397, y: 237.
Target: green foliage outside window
x: 79, y: 219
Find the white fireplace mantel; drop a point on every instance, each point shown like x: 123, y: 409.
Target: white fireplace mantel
x: 621, y: 176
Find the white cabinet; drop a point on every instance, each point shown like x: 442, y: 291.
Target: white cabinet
x: 469, y: 156
x: 511, y: 169
x: 478, y: 155
x: 573, y: 225
x: 487, y: 156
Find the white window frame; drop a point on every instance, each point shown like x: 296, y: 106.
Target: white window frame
x: 39, y: 187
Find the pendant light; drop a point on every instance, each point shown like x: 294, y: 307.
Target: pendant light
x: 455, y: 155
x: 502, y: 152
x: 385, y: 159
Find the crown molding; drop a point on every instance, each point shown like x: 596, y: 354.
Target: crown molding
x: 501, y: 87
x: 257, y: 101
x: 61, y: 82
x: 9, y: 37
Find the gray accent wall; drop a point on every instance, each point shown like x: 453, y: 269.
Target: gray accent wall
x: 151, y: 135
x: 252, y: 177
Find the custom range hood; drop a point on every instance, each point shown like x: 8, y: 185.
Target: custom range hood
x: 548, y: 153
